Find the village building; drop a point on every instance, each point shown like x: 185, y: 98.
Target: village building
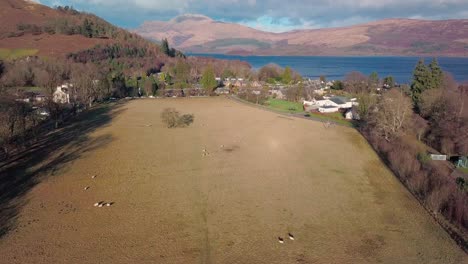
x: 61, y: 94
x: 330, y: 104
x: 352, y: 114
x: 278, y: 93
x: 222, y: 90
x: 256, y: 84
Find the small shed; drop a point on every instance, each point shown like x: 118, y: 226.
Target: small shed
x: 352, y: 114
x: 462, y: 162
x: 438, y: 157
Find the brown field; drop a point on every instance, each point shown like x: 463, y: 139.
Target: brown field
x: 274, y: 175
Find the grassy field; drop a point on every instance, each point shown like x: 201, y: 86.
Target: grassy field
x: 335, y: 117
x: 11, y: 54
x: 295, y: 108
x: 284, y: 106
x: 265, y: 175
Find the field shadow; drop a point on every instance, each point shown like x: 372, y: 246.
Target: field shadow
x: 231, y: 148
x: 51, y: 152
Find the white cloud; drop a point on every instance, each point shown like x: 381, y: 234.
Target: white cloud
x: 303, y: 14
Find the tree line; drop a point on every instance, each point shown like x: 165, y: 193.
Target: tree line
x: 406, y: 123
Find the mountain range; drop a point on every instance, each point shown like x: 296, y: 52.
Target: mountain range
x: 400, y: 37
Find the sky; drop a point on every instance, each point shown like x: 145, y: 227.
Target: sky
x: 269, y: 15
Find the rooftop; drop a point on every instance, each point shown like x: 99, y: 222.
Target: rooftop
x: 339, y: 99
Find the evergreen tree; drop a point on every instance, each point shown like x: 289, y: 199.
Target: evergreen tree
x: 421, y: 80
x: 208, y: 80
x: 337, y: 85
x: 389, y: 81
x: 165, y: 47
x: 436, y: 75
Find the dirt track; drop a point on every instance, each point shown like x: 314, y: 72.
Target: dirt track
x: 273, y: 175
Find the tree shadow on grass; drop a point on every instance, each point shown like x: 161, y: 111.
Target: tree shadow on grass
x: 52, y: 151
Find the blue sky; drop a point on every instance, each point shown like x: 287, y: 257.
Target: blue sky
x: 270, y: 15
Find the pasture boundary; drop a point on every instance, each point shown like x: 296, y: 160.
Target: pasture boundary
x: 458, y: 237
x: 298, y: 115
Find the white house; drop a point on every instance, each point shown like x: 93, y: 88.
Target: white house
x: 330, y: 104
x: 61, y: 94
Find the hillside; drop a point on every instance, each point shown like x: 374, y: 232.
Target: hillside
x: 34, y: 29
x: 196, y: 33
x: 21, y: 28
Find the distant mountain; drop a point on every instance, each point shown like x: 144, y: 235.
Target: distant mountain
x: 201, y: 34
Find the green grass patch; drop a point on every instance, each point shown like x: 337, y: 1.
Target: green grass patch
x: 27, y: 89
x: 34, y: 89
x: 284, y: 106
x: 11, y: 54
x: 463, y: 170
x: 335, y: 117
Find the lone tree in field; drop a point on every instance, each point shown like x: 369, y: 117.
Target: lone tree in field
x: 208, y: 80
x: 172, y: 118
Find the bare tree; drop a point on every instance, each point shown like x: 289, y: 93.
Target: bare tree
x: 269, y: 71
x: 18, y: 74
x: 309, y: 90
x: 393, y: 113
x: 366, y: 105
x: 49, y: 76
x: 419, y: 125
x: 85, y: 81
x: 431, y: 103
x: 356, y: 83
